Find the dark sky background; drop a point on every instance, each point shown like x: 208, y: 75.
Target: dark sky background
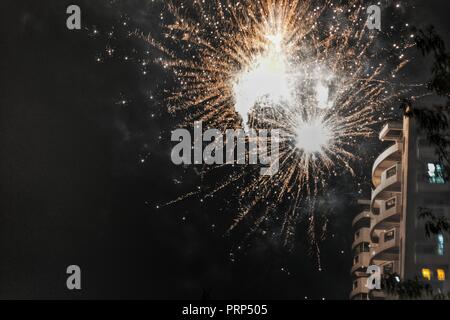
x: 81, y: 173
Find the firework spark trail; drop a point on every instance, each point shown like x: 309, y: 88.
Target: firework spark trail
x: 293, y: 65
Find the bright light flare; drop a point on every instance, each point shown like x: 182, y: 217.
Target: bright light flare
x: 313, y: 136
x: 266, y: 80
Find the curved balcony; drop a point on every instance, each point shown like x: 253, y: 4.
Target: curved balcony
x: 387, y: 159
x: 377, y: 295
x: 361, y: 261
x: 389, y: 216
x: 387, y: 248
x: 362, y: 235
x: 392, y: 131
x: 390, y: 184
x: 359, y: 287
x: 361, y: 217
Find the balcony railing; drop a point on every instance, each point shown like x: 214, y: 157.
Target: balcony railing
x: 362, y: 235
x: 377, y: 295
x: 390, y: 211
x: 361, y: 261
x: 387, y: 159
x: 361, y: 216
x: 387, y: 248
x: 359, y: 288
x: 390, y: 184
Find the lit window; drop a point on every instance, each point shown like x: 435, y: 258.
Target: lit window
x: 435, y: 173
x: 440, y: 244
x: 426, y: 273
x: 441, y: 274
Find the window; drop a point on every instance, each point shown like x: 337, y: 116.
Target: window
x: 376, y: 211
x: 426, y: 273
x: 390, y: 235
x: 435, y: 173
x: 440, y: 245
x: 365, y: 247
x: 362, y: 247
x: 390, y: 204
x: 441, y: 274
x: 388, y: 268
x: 391, y: 172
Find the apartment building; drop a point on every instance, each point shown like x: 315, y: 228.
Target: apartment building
x: 406, y: 178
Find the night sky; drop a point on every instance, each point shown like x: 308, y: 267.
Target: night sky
x: 85, y: 161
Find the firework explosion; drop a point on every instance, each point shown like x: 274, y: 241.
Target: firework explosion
x: 305, y: 68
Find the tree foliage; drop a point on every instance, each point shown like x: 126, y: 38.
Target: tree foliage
x: 408, y: 289
x: 434, y: 225
x: 434, y: 120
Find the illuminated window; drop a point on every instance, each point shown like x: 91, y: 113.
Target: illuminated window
x: 426, y: 273
x: 435, y: 173
x: 440, y: 244
x: 441, y: 274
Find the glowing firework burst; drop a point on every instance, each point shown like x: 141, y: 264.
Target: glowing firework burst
x: 313, y: 136
x: 304, y: 68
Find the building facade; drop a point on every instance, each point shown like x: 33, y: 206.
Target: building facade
x: 407, y: 179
